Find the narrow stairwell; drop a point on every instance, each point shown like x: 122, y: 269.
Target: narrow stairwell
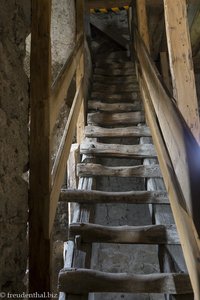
x: 123, y: 242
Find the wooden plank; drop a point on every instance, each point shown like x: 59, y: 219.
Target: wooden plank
x: 130, y: 131
x: 183, y: 148
x: 59, y: 167
x: 114, y: 79
x: 114, y: 72
x: 86, y: 170
x: 101, y: 282
x: 40, y: 87
x: 106, y: 3
x: 62, y: 83
x: 114, y: 107
x: 152, y: 234
x: 184, y: 223
x: 117, y: 150
x: 165, y: 70
x: 112, y: 33
x: 120, y: 97
x: 107, y: 119
x: 115, y: 88
x: 143, y: 22
x: 115, y: 65
x: 131, y: 197
x: 181, y: 65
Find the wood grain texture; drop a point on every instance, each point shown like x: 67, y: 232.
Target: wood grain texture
x: 114, y: 107
x: 117, y: 150
x: 107, y: 119
x: 96, y: 281
x: 117, y: 97
x: 131, y: 197
x: 181, y: 64
x: 130, y: 131
x: 152, y: 234
x: 86, y: 170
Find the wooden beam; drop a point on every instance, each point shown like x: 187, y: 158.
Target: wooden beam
x: 143, y: 22
x: 152, y: 234
x: 118, y: 150
x: 165, y: 69
x: 131, y: 197
x: 40, y: 84
x: 101, y: 282
x: 100, y: 170
x: 59, y: 167
x: 180, y: 56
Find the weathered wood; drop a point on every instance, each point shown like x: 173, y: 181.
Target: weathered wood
x: 114, y: 107
x: 59, y: 167
x: 131, y: 197
x: 143, y: 22
x: 185, y: 226
x: 95, y: 131
x: 107, y: 119
x: 40, y: 87
x: 165, y: 69
x: 114, y: 79
x: 115, y: 88
x: 100, y: 170
x: 152, y: 234
x: 183, y: 148
x: 96, y: 281
x: 61, y: 85
x: 181, y: 65
x: 115, y: 72
x: 115, y: 65
x: 117, y: 150
x: 120, y: 97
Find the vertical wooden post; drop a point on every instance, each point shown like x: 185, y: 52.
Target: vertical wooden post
x: 39, y: 247
x: 80, y: 69
x: 181, y: 64
x: 143, y: 22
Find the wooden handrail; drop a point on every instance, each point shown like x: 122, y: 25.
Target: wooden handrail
x: 179, y: 157
x: 63, y: 81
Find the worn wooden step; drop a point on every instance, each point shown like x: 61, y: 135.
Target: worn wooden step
x: 151, y: 234
x: 112, y: 56
x: 84, y: 281
x: 117, y: 150
x: 106, y: 119
x: 89, y: 169
x: 115, y: 79
x: 115, y: 88
x: 116, y: 65
x: 114, y: 107
x: 131, y: 197
x: 131, y: 131
x: 115, y: 72
x: 120, y: 97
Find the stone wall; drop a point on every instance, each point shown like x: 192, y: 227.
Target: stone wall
x: 14, y: 104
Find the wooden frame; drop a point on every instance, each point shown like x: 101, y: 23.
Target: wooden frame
x: 46, y: 102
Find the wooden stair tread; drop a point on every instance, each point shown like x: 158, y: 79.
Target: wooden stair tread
x: 110, y: 97
x: 115, y: 88
x: 84, y: 281
x: 89, y: 169
x: 115, y: 65
x: 151, y: 234
x: 111, y: 71
x: 131, y: 131
x: 114, y: 79
x: 118, y: 150
x: 115, y: 118
x: 114, y: 107
x: 131, y: 197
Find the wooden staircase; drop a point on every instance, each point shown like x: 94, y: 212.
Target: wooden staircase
x: 116, y: 131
